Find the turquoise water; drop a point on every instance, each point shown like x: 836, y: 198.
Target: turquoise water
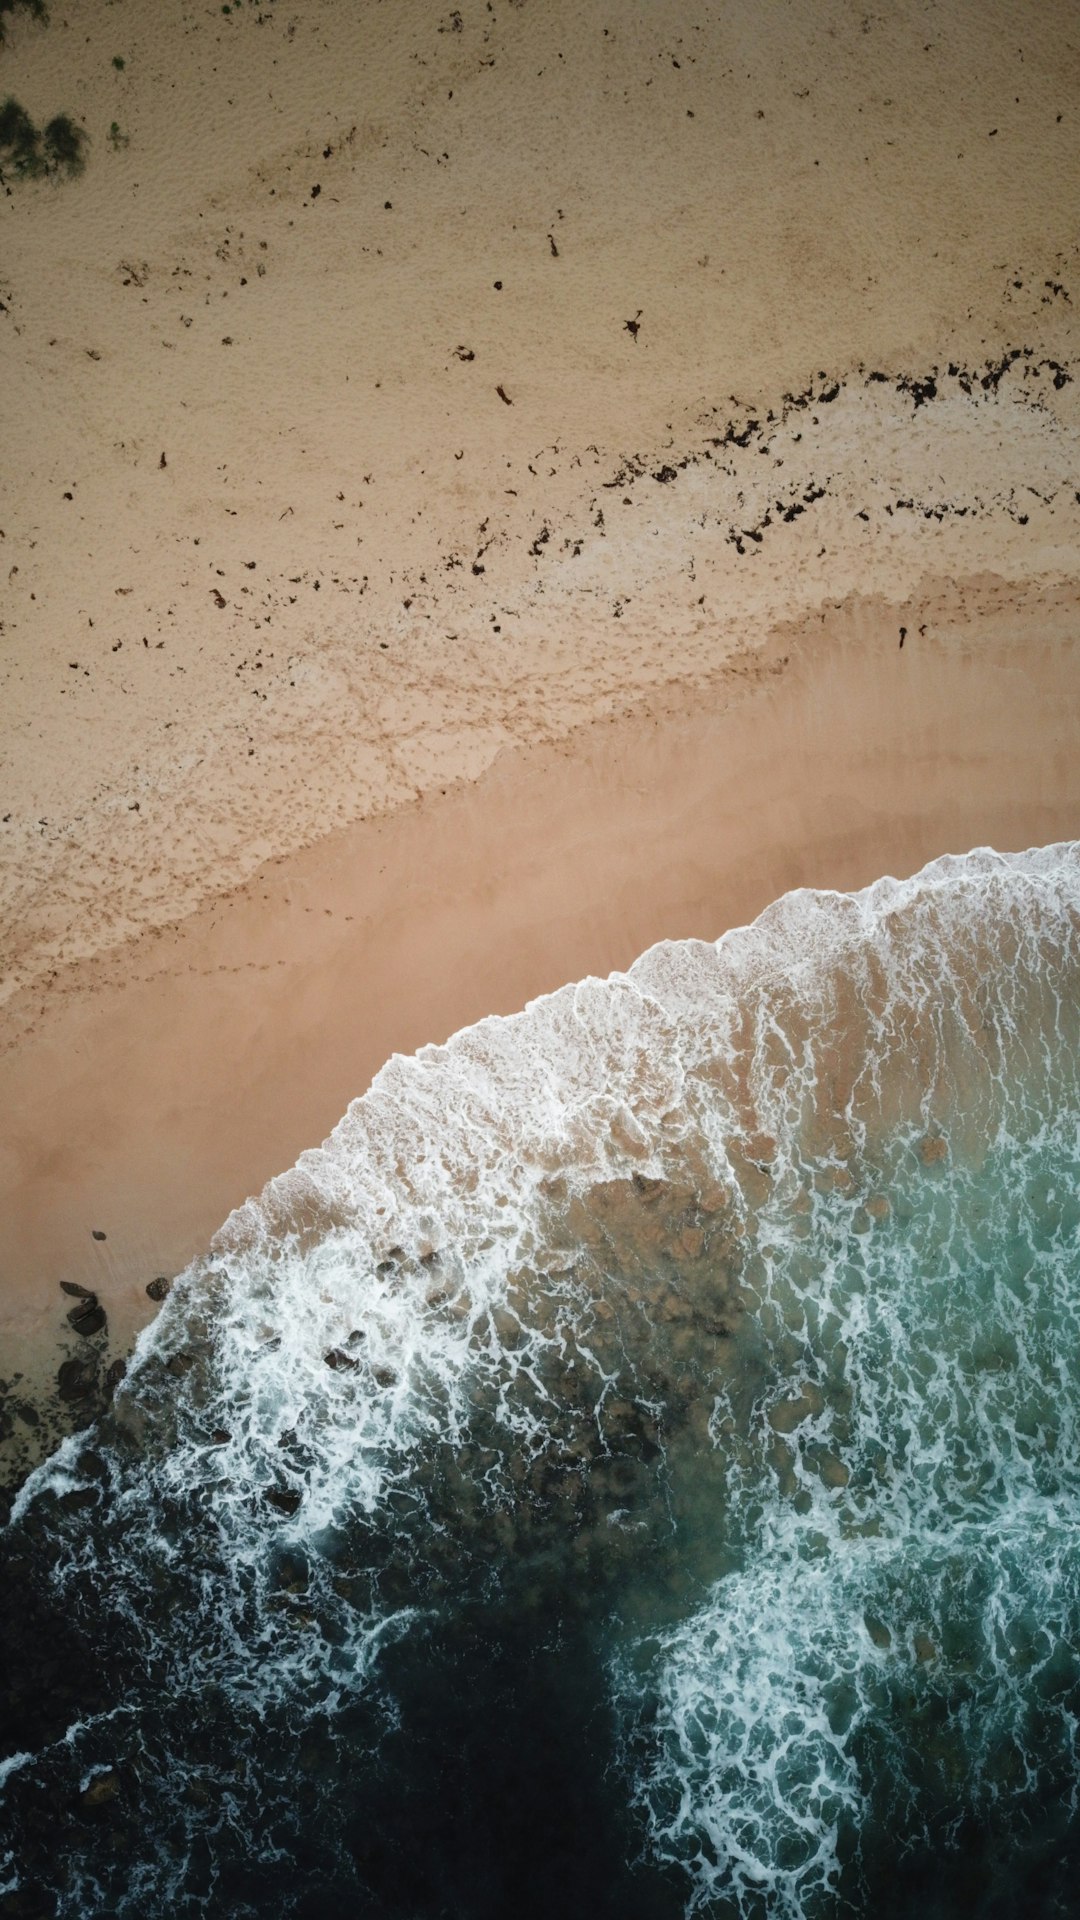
x: 892, y: 1665
x: 633, y: 1466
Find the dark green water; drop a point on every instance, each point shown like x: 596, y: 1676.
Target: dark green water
x: 632, y: 1469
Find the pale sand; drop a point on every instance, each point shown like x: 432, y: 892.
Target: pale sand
x: 472, y: 679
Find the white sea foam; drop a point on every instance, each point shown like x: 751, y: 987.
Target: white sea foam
x: 865, y: 1102
x: 12, y: 1764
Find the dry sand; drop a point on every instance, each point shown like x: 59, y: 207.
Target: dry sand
x: 389, y: 631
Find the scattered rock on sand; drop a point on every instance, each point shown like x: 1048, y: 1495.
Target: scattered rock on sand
x: 157, y: 1289
x: 88, y: 1317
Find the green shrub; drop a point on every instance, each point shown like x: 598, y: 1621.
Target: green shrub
x: 35, y: 8
x: 64, y: 145
x: 28, y: 151
x: 118, y: 62
x: 20, y: 140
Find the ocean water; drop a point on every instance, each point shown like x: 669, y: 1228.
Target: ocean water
x: 632, y: 1468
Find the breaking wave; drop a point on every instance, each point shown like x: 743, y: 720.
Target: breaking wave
x: 632, y: 1464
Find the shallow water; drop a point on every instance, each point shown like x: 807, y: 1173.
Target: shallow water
x: 632, y: 1467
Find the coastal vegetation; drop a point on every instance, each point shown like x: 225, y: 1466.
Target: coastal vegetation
x: 36, y: 9
x: 32, y: 152
x: 28, y: 151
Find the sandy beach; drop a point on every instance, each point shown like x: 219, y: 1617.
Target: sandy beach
x: 483, y: 493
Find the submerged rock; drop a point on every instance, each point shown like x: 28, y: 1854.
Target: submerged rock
x: 79, y: 1498
x: 102, y: 1788
x: 113, y: 1376
x: 933, y: 1148
x: 285, y: 1499
x: 340, y: 1362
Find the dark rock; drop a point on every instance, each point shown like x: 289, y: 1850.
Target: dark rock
x: 88, y: 1317
x: 102, y: 1788
x: 96, y: 1233
x: 340, y: 1362
x: 285, y: 1499
x: 157, y: 1289
x: 648, y: 1189
x: 77, y: 1498
x: 114, y: 1376
x: 292, y: 1573
x: 25, y: 1904
x: 77, y: 1293
x: 76, y: 1379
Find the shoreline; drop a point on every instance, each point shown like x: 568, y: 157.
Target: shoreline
x: 144, y: 1089
x: 540, y: 888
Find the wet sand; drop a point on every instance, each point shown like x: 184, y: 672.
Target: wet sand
x: 147, y: 1093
